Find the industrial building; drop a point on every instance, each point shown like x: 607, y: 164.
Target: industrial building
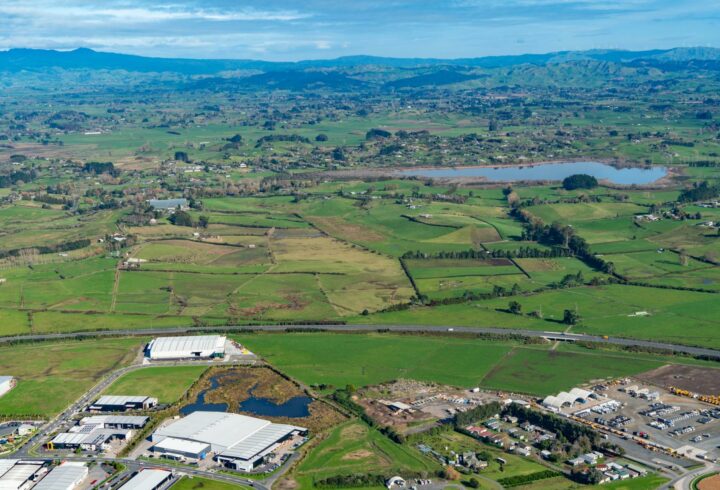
x: 19, y: 475
x: 6, y: 384
x: 567, y: 399
x: 150, y: 479
x: 237, y: 441
x: 67, y: 476
x: 122, y: 403
x: 193, y: 347
x: 95, y: 433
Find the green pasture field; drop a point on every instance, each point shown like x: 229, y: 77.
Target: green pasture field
x: 682, y: 317
x: 544, y: 372
x: 167, y: 384
x: 198, y: 483
x: 355, y: 448
x: 368, y: 359
x: 573, y: 213
x: 50, y: 376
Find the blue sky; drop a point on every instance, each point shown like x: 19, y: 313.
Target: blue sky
x: 292, y: 30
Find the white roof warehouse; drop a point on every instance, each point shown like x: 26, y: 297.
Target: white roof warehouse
x: 198, y: 346
x: 237, y: 440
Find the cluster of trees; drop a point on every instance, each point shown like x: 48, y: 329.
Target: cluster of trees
x: 356, y: 480
x: 700, y: 192
x: 182, y: 218
x: 519, y: 253
x: 17, y: 177
x: 517, y: 480
x: 48, y: 249
x: 99, y: 168
x: 376, y: 133
x: 579, y: 181
x: 463, y: 419
x: 295, y: 138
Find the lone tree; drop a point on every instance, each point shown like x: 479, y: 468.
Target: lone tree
x: 570, y: 317
x: 515, y: 308
x: 579, y: 181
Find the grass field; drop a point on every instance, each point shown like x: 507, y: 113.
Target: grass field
x: 50, y: 376
x: 198, y: 483
x: 366, y: 359
x: 167, y: 384
x: 355, y: 448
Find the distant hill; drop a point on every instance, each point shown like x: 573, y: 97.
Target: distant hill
x: 440, y: 77
x: 15, y: 60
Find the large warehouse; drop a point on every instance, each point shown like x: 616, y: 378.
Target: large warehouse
x: 238, y: 441
x: 67, y: 476
x: 148, y: 479
x: 198, y: 347
x: 6, y: 384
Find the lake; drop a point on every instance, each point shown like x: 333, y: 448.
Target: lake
x: 547, y: 171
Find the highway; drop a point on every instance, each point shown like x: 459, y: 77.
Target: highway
x: 569, y: 337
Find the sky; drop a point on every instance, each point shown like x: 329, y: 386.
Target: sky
x: 315, y: 29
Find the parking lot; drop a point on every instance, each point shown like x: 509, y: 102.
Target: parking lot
x: 656, y: 414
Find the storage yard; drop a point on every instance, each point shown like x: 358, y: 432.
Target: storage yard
x: 645, y: 412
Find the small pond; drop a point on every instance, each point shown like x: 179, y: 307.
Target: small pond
x: 201, y: 405
x: 547, y: 171
x: 296, y: 407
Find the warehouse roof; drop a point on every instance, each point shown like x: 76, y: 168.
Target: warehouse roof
x: 88, y: 435
x: 171, y: 444
x: 16, y: 476
x: 114, y: 420
x: 119, y: 399
x: 230, y: 434
x: 259, y: 441
x: 190, y: 344
x: 167, y: 203
x: 147, y: 480
x: 64, y: 477
x: 6, y: 464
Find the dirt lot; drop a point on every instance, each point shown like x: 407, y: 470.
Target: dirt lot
x: 696, y: 379
x: 712, y: 483
x: 428, y: 403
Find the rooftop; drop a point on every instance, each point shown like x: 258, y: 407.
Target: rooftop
x: 146, y: 480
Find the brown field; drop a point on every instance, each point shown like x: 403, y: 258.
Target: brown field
x: 711, y: 483
x: 705, y: 381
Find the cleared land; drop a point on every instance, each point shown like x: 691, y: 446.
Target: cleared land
x: 167, y: 384
x: 50, y: 376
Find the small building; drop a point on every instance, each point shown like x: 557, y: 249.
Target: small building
x: 148, y: 479
x: 7, y: 383
x: 169, y: 205
x: 67, y: 476
x: 122, y: 403
x: 116, y: 421
x: 25, y: 429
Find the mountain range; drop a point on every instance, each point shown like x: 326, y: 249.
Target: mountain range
x: 22, y: 59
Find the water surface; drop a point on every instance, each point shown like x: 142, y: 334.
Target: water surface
x: 548, y: 171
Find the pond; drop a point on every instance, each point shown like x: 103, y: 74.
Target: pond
x: 547, y: 171
x: 200, y: 405
x: 296, y: 407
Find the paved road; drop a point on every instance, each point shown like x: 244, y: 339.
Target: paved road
x: 683, y: 349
